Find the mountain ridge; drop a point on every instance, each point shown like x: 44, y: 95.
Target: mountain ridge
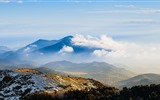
x: 142, y: 79
x: 47, y: 49
x: 101, y: 71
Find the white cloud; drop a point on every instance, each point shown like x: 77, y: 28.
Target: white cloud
x: 142, y: 21
x: 4, y: 1
x: 8, y: 1
x: 19, y: 1
x: 66, y: 49
x: 127, y: 53
x: 125, y: 6
x: 100, y: 53
x: 141, y: 11
x: 104, y: 42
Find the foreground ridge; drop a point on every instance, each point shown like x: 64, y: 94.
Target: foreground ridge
x: 18, y: 83
x: 29, y: 84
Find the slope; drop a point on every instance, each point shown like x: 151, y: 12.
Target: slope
x: 100, y: 71
x: 143, y: 79
x: 18, y: 83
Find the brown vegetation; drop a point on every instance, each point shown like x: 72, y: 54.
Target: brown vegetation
x: 27, y: 70
x: 147, y: 92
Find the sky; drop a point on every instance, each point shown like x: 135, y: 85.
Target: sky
x: 24, y: 21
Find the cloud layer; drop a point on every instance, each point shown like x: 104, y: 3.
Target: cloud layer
x: 9, y: 1
x: 131, y: 54
x: 104, y: 42
x: 143, y: 11
x: 4, y: 1
x: 125, y: 6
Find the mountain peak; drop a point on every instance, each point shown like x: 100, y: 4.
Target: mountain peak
x: 65, y: 61
x: 67, y: 38
x: 39, y: 40
x: 70, y: 36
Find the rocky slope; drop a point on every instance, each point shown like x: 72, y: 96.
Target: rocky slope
x: 16, y: 84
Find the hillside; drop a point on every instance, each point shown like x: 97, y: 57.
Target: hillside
x: 143, y: 79
x: 49, y: 71
x: 143, y: 92
x: 16, y: 84
x: 100, y: 71
x: 30, y: 84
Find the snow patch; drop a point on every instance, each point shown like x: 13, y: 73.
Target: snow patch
x: 25, y: 83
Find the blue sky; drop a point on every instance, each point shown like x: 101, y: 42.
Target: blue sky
x: 24, y: 21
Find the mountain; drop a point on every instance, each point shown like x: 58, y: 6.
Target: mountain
x: 66, y: 41
x: 143, y: 79
x: 49, y: 71
x: 100, y: 71
x: 37, y: 45
x: 46, y: 50
x: 4, y: 49
x: 18, y: 83
x: 47, y: 47
x: 26, y: 54
x: 58, y: 46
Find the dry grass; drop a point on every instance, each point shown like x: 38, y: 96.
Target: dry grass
x: 75, y: 73
x: 72, y: 83
x: 26, y: 70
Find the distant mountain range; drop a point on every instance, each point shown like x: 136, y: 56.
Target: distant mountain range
x: 143, y: 79
x: 100, y: 71
x: 54, y: 46
x: 41, y: 50
x: 50, y: 71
